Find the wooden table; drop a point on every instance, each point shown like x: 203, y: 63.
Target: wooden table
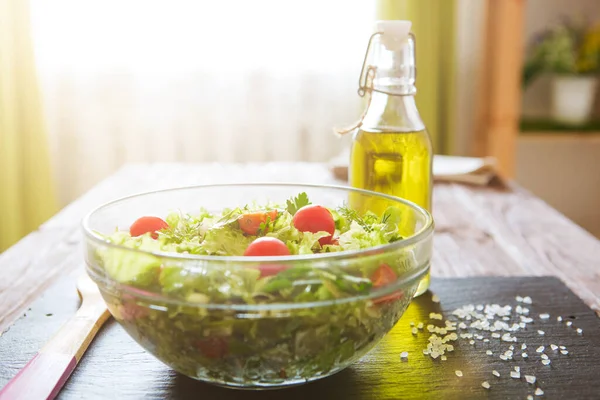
x: 479, y: 231
x: 491, y: 231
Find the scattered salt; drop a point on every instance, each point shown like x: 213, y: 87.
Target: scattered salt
x: 485, y: 384
x: 569, y: 323
x: 420, y: 325
x: 530, y: 379
x: 443, y: 358
x: 529, y: 397
x: 544, y: 356
x: 524, y: 355
x: 553, y: 347
x: 495, y: 335
x: 435, y: 316
x: 515, y: 374
x: 527, y: 300
x: 489, y: 353
x: 559, y: 318
x: 458, y: 373
x: 539, y: 392
x: 503, y: 357
x: 517, y: 368
x: 545, y: 362
x: 486, y: 340
x: 511, y: 347
x: 544, y: 316
x: 471, y: 342
x: 519, y: 299
x: 565, y: 352
x: 496, y: 373
x: 562, y: 347
x: 579, y: 331
x: 523, y: 346
x: 542, y: 333
x: 412, y: 323
x: 435, y: 298
x: 414, y: 331
x: 540, y: 349
x: 404, y: 355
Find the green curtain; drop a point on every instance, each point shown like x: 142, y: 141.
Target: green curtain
x: 434, y: 26
x: 26, y: 193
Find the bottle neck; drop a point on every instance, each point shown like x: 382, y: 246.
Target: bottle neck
x: 393, y: 113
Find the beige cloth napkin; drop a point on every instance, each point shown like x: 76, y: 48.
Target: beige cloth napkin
x: 471, y: 170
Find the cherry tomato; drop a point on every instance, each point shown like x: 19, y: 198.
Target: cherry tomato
x: 250, y: 222
x: 271, y: 269
x: 214, y: 347
x: 383, y: 276
x: 267, y: 246
x: 147, y: 224
x: 314, y: 218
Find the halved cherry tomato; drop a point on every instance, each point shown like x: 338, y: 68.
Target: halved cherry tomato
x: 383, y: 276
x: 213, y: 347
x: 267, y: 246
x: 315, y: 218
x: 271, y: 269
x: 147, y: 224
x: 250, y: 222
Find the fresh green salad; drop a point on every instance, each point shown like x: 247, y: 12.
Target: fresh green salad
x: 258, y: 323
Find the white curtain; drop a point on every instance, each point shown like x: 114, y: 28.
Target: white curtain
x: 195, y: 81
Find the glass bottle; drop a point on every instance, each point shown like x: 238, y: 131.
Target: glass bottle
x: 391, y: 149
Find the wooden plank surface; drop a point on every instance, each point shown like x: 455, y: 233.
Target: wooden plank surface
x: 118, y: 368
x: 480, y: 231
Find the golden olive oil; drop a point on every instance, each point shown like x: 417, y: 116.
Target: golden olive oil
x: 394, y: 163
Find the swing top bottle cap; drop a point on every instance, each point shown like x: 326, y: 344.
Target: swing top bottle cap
x: 394, y: 33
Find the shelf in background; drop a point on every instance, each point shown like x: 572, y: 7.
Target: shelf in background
x: 548, y: 126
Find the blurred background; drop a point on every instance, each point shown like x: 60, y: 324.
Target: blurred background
x: 87, y: 86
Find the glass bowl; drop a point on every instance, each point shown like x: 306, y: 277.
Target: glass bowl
x: 194, y: 313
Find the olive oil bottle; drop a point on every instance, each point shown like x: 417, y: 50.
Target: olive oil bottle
x: 391, y: 150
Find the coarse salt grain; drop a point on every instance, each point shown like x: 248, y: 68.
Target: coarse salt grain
x: 517, y: 368
x: 471, y: 342
x: 569, y: 323
x: 435, y: 298
x: 503, y: 357
x: 496, y: 373
x: 524, y: 355
x: 530, y: 379
x: 545, y: 362
x: 495, y: 335
x: 443, y: 358
x: 540, y: 349
x: 414, y: 331
x: 485, y: 384
x: 523, y: 346
x: 458, y: 373
x: 404, y: 355
x: 579, y: 331
x: 559, y: 318
x: 527, y: 300
x: 562, y: 347
x: 519, y: 299
x: 539, y: 392
x: 565, y: 352
x: 541, y: 333
x: 515, y: 374
x: 420, y: 325
x: 544, y: 316
x: 511, y: 347
x: 553, y: 347
x: 412, y: 323
x: 529, y: 397
x: 544, y: 356
x: 486, y: 340
x: 489, y: 352
x: 435, y: 316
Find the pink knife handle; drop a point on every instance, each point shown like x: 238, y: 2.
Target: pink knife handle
x: 46, y: 373
x: 42, y: 377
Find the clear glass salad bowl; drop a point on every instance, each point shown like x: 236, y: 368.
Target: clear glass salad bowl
x: 221, y: 320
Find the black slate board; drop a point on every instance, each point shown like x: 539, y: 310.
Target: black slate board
x: 115, y: 367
